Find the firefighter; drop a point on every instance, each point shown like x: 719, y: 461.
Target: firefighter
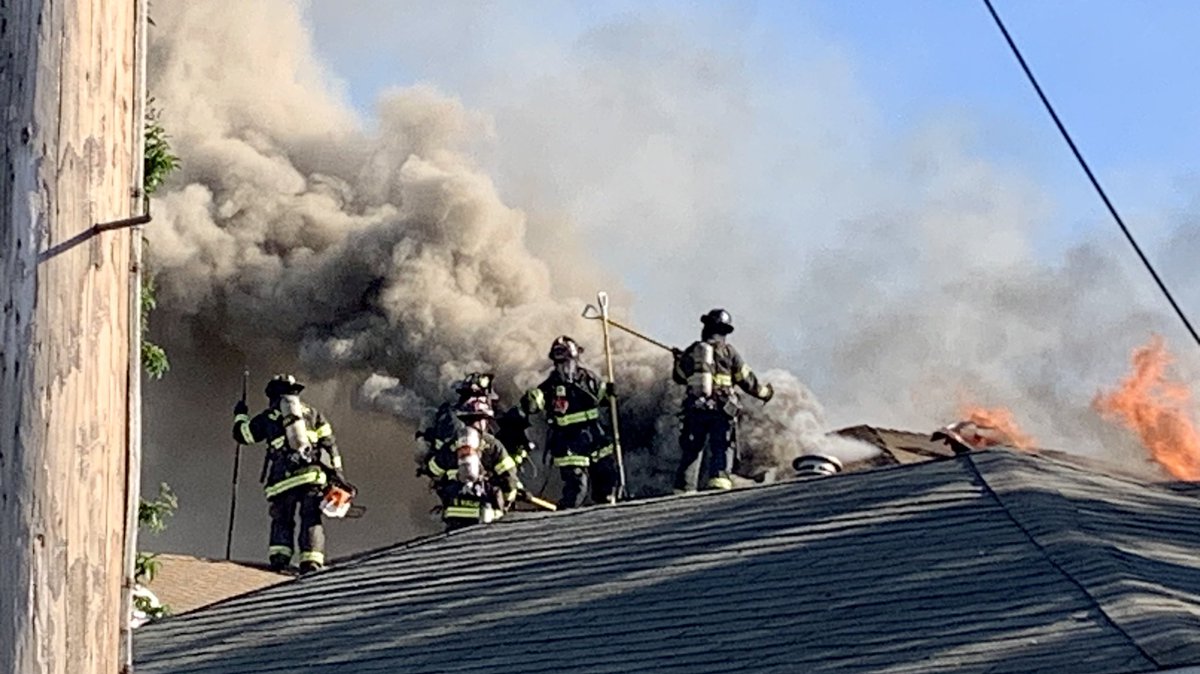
x: 475, y: 476
x: 710, y: 369
x: 509, y: 428
x: 581, y: 449
x: 445, y: 424
x: 302, y: 459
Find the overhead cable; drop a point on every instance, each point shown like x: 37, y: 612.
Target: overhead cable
x: 1062, y: 129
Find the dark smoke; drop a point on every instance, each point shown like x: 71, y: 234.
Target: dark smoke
x: 379, y: 262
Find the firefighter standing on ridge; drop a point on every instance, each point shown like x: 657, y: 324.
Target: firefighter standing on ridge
x: 302, y: 456
x: 581, y: 449
x: 474, y: 475
x: 710, y: 368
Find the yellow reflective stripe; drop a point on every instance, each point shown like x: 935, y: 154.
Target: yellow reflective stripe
x: 742, y: 374
x: 571, y: 460
x: 505, y: 465
x: 336, y: 461
x: 511, y: 496
x: 722, y: 380
x: 604, y: 451
x: 720, y: 483
x: 241, y: 417
x: 278, y: 442
x: 452, y: 474
x: 243, y: 429
x: 576, y: 418
x: 312, y: 556
x: 311, y: 475
x: 324, y: 430
x: 280, y: 550
x: 312, y: 436
x: 462, y: 511
x: 434, y: 468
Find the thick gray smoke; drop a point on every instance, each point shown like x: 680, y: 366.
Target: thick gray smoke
x: 377, y: 260
x: 385, y: 255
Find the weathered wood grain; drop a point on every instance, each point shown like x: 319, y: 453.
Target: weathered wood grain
x: 67, y: 85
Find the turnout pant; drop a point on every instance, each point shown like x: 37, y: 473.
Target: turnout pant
x: 584, y: 458
x: 284, y: 507
x: 711, y: 469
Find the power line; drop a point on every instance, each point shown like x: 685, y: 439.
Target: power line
x: 1088, y: 170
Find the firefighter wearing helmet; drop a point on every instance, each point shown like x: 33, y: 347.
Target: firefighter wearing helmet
x: 473, y: 473
x: 446, y: 424
x: 579, y: 446
x: 712, y: 370
x: 302, y: 460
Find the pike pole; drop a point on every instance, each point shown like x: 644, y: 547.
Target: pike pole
x: 237, y: 461
x: 602, y: 300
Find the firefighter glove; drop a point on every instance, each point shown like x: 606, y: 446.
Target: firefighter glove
x: 240, y: 408
x: 610, y: 390
x: 766, y: 393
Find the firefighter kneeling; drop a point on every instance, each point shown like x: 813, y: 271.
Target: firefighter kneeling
x: 475, y: 476
x: 301, y: 464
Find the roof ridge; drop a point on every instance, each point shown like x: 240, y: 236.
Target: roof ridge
x: 1045, y: 552
x: 365, y: 555
x: 1117, y: 473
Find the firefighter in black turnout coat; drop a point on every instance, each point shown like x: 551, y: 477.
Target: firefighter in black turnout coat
x: 302, y: 457
x: 710, y: 369
x: 581, y: 449
x: 474, y: 475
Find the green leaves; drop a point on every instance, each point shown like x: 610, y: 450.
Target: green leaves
x: 153, y: 514
x: 154, y: 358
x: 159, y: 160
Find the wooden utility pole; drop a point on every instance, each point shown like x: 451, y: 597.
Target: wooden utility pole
x: 70, y: 156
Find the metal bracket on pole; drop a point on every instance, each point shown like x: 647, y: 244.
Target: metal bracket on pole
x: 124, y: 223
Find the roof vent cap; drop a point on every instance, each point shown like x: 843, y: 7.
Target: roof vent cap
x: 816, y: 465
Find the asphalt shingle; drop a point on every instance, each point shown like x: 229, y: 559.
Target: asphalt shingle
x: 996, y: 562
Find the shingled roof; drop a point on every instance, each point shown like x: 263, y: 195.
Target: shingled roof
x: 995, y: 561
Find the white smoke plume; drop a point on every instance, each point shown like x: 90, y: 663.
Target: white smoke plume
x: 377, y: 258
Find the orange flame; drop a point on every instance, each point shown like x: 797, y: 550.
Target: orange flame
x: 1155, y: 407
x: 1002, y: 420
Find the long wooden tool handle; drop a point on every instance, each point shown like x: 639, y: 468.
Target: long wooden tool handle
x: 602, y: 299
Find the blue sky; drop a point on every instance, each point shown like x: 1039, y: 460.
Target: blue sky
x: 1118, y: 70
